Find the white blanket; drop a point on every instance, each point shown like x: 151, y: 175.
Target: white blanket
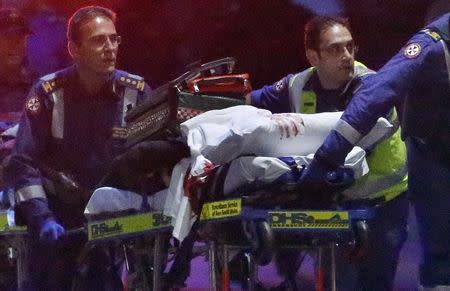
x: 245, y: 170
x: 109, y: 199
x: 220, y: 136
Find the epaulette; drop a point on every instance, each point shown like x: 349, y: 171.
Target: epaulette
x: 130, y: 80
x: 433, y: 34
x: 51, y: 82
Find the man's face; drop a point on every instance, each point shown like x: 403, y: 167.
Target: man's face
x: 12, y: 49
x: 335, y: 58
x: 97, y: 50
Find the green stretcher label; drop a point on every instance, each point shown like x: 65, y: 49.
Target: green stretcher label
x: 127, y: 225
x: 221, y: 209
x: 4, y: 226
x: 309, y: 219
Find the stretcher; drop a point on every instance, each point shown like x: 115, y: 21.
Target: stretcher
x: 254, y: 225
x: 248, y: 131
x: 314, y: 230
x: 132, y: 234
x: 14, y: 241
x: 157, y: 118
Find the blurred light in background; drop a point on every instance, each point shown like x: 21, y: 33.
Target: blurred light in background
x: 322, y: 7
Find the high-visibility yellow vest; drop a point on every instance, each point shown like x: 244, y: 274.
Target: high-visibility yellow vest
x: 387, y: 163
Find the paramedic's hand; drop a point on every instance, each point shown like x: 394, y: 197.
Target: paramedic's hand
x: 51, y: 231
x: 341, y: 177
x: 319, y: 176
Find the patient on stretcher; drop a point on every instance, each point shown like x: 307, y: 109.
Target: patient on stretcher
x: 257, y: 147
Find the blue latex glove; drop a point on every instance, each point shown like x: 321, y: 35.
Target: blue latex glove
x: 320, y: 176
x: 51, y: 231
x: 341, y: 177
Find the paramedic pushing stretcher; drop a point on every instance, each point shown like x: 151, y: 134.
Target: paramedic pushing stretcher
x: 328, y: 86
x: 417, y: 79
x: 72, y: 122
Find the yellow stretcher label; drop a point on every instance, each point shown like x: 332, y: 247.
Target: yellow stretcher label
x: 4, y: 225
x: 221, y: 209
x: 127, y: 225
x: 309, y: 219
x: 3, y: 221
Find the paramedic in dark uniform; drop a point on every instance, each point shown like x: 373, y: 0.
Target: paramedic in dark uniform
x: 417, y: 81
x: 73, y: 122
x: 328, y: 86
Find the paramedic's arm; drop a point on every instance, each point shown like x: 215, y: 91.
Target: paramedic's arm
x: 413, y: 65
x: 22, y: 170
x: 273, y: 97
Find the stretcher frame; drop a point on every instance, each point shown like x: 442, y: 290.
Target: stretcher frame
x: 98, y: 231
x: 315, y: 222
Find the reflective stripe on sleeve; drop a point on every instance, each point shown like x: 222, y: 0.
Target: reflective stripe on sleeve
x: 58, y: 114
x: 447, y: 58
x: 348, y: 132
x: 129, y: 101
x: 30, y: 192
x: 372, y: 188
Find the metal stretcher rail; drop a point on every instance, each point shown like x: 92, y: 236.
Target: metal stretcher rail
x: 291, y: 221
x: 98, y: 231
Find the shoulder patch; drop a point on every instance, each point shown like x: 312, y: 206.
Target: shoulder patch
x: 279, y: 86
x: 50, y: 82
x: 132, y: 81
x: 33, y: 104
x: 412, y: 50
x: 433, y: 34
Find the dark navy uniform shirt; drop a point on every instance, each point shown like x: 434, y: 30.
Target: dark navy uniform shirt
x: 418, y: 72
x: 65, y: 128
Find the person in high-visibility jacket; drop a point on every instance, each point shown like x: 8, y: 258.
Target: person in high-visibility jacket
x: 416, y: 80
x: 329, y: 85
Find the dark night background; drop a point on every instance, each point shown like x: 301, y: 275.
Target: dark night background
x: 160, y: 37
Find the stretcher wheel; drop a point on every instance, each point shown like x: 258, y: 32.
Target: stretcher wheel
x: 361, y: 231
x: 262, y: 239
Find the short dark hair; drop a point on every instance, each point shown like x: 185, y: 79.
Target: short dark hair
x: 84, y: 15
x: 317, y: 25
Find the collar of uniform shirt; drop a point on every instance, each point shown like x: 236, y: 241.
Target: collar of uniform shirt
x: 108, y: 91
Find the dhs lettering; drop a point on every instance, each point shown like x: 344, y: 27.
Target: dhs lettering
x: 160, y: 220
x: 102, y: 229
x: 289, y: 218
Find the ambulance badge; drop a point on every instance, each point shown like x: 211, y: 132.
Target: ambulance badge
x: 412, y: 50
x: 33, y: 105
